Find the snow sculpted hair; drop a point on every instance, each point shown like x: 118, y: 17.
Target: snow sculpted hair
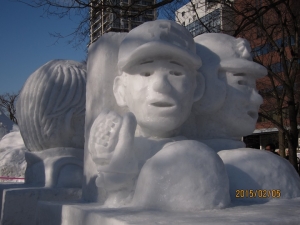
x: 50, y: 103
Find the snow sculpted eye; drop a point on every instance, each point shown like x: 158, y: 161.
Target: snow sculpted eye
x: 242, y: 82
x: 145, y: 74
x: 175, y: 73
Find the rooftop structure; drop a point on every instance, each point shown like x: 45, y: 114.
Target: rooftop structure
x: 119, y: 20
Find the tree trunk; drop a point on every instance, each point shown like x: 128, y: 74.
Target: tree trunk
x: 293, y: 135
x: 281, y: 141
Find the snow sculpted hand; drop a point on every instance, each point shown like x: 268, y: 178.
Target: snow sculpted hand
x: 111, y: 148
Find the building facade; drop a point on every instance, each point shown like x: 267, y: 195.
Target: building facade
x: 127, y: 17
x: 203, y: 16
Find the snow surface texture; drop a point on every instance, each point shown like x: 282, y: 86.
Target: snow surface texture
x: 6, y: 125
x: 102, y: 70
x: 51, y: 106
x: 158, y: 83
x: 12, y: 156
x: 252, y: 169
x: 12, y: 141
x: 183, y: 176
x: 55, y: 167
x: 279, y: 212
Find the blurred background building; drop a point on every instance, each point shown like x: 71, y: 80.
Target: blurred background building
x: 127, y: 17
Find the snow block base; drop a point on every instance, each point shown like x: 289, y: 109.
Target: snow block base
x: 19, y: 204
x: 275, y: 212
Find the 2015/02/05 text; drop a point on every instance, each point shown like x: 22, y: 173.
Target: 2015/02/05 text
x: 260, y: 193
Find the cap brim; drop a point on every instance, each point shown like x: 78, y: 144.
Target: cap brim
x: 244, y: 66
x: 159, y: 49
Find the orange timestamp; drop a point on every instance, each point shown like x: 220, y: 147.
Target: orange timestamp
x: 260, y: 193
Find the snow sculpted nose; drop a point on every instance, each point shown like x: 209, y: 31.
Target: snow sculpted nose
x: 256, y: 98
x: 161, y: 83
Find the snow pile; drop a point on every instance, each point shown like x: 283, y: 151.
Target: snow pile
x: 183, y: 176
x: 256, y: 175
x: 6, y: 125
x: 12, y: 141
x: 12, y: 156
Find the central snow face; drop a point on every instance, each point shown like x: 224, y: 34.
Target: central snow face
x: 138, y: 158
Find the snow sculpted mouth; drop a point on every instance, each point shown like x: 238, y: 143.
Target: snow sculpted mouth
x: 162, y: 104
x: 252, y: 114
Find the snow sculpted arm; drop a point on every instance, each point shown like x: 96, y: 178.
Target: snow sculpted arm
x: 111, y: 148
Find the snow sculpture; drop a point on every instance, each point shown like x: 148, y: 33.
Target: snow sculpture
x: 51, y: 114
x: 51, y: 106
x: 158, y: 82
x: 231, y: 113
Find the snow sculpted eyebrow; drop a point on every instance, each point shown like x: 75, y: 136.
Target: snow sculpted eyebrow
x: 147, y: 62
x: 239, y: 74
x: 176, y: 63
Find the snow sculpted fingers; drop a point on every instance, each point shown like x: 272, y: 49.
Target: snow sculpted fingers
x: 124, y: 160
x: 104, y: 137
x: 111, y: 148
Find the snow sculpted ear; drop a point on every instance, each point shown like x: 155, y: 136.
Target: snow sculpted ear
x: 199, y: 91
x: 119, y: 90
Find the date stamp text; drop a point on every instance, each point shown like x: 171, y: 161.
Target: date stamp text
x: 260, y: 193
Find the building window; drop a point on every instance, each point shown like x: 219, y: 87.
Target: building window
x: 211, y: 20
x: 267, y: 47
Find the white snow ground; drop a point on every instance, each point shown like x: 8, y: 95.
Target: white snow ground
x: 275, y: 212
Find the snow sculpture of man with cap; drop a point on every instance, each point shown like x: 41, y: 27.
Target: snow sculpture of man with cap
x: 222, y: 117
x: 141, y: 156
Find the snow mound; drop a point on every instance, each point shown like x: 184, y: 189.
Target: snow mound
x: 12, y: 141
x: 12, y: 156
x: 256, y: 175
x: 183, y: 176
x: 6, y: 125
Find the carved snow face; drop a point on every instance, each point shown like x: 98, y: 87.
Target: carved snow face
x: 240, y: 110
x: 160, y: 93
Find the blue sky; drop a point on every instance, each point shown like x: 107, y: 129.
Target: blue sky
x: 25, y: 43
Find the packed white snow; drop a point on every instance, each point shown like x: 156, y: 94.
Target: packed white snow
x: 6, y: 125
x: 12, y: 157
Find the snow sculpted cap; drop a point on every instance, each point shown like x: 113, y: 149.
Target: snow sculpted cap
x: 158, y: 39
x: 235, y: 53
